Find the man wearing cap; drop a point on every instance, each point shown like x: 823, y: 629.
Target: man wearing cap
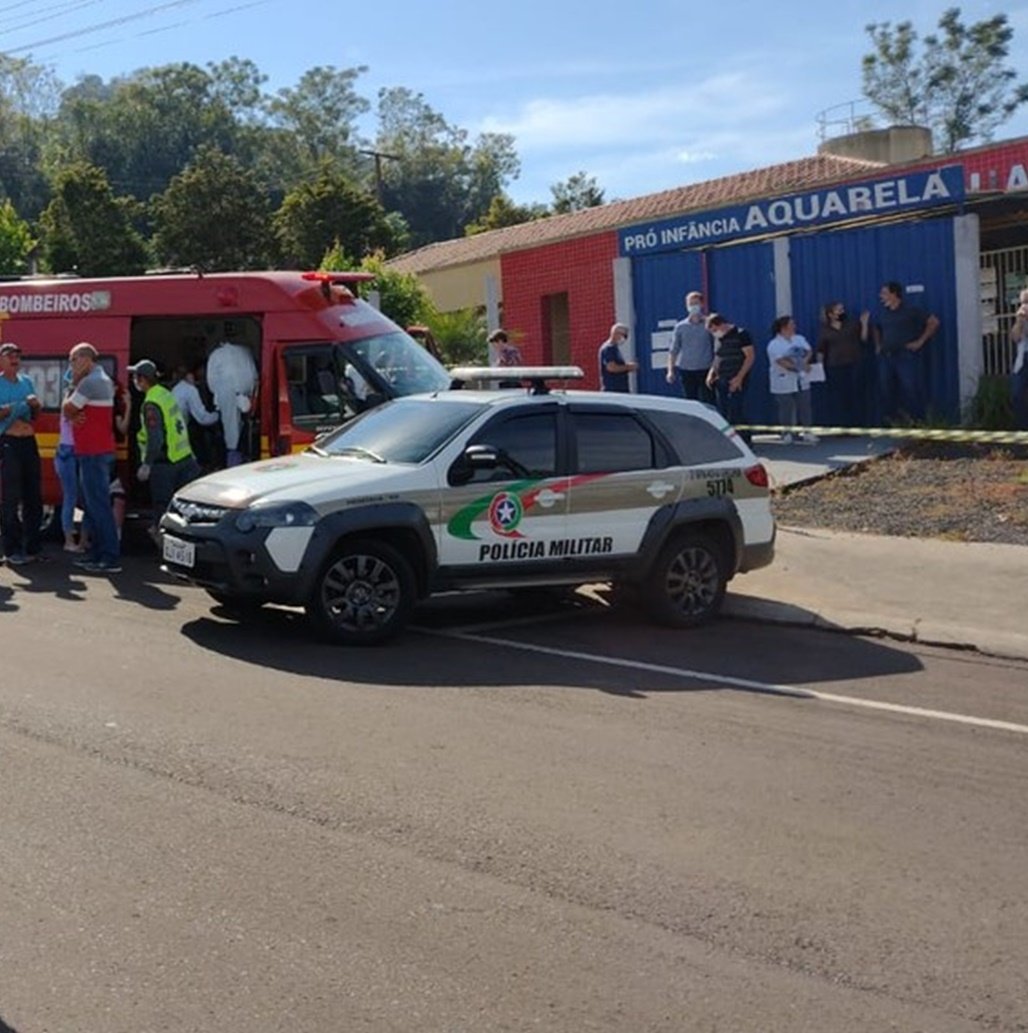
x: 166, y: 457
x: 90, y: 408
x: 20, y: 471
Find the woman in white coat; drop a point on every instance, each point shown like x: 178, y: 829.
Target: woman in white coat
x: 789, y: 357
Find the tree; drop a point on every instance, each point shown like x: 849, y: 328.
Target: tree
x: 958, y: 85
x: 329, y: 209
x: 575, y: 193
x: 502, y: 212
x: 15, y: 241
x: 86, y: 229
x: 214, y: 215
x: 461, y: 335
x: 440, y: 181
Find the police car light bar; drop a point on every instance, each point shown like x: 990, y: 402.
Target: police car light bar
x: 473, y: 373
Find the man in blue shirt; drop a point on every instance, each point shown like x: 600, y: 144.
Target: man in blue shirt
x: 901, y: 332
x: 614, y: 369
x: 692, y: 351
x: 20, y: 471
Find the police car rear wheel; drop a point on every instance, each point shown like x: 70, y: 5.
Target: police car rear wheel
x: 687, y: 583
x: 363, y: 594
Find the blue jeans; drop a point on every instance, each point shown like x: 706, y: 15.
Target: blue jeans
x: 901, y: 385
x: 1019, y: 396
x: 95, y: 480
x: 66, y: 466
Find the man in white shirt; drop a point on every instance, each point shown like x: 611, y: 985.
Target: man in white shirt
x: 198, y: 416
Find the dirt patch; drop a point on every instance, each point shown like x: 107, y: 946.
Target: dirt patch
x: 957, y: 492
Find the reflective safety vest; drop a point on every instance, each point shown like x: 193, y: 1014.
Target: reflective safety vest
x: 176, y: 437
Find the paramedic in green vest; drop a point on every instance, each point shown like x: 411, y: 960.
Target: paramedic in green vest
x: 166, y: 459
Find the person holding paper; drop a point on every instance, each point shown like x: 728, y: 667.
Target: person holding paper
x: 839, y: 349
x: 789, y: 358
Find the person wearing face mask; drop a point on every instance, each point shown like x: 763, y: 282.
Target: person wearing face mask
x: 840, y: 347
x: 692, y: 351
x: 733, y: 360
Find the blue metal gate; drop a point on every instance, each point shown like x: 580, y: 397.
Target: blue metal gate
x: 851, y: 265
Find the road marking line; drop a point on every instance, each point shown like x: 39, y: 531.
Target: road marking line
x: 767, y: 688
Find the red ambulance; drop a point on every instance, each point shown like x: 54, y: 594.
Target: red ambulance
x: 323, y: 355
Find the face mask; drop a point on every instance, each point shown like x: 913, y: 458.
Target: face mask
x: 695, y: 310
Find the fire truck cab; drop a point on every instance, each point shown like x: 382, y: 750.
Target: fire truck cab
x: 323, y: 355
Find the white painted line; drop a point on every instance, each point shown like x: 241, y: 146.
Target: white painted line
x: 769, y: 688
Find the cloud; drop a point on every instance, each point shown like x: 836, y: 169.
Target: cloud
x: 663, y: 115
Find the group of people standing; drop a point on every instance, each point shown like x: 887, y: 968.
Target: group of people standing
x: 712, y: 358
x: 95, y: 413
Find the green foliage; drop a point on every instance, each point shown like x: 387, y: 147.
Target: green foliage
x: 432, y: 173
x: 325, y: 212
x: 15, y: 241
x: 214, y: 215
x: 958, y: 85
x: 86, y: 229
x: 401, y: 296
x: 575, y: 193
x: 502, y: 212
x: 461, y: 335
x: 991, y: 408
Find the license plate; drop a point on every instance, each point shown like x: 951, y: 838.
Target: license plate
x: 182, y: 554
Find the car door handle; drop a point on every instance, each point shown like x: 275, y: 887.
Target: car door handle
x: 658, y: 489
x: 547, y: 497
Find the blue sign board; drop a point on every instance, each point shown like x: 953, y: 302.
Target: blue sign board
x: 881, y: 197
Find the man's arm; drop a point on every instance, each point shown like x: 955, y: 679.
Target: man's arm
x: 931, y: 324
x: 199, y: 412
x: 153, y: 420
x: 676, y: 347
x: 748, y: 355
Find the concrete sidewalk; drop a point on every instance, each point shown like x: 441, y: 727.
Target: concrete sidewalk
x: 967, y: 594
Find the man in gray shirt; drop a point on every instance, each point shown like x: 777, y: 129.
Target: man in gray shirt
x: 692, y: 351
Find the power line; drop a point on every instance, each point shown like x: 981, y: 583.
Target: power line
x: 100, y: 26
x: 61, y: 9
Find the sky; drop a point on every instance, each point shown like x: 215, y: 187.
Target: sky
x: 644, y: 96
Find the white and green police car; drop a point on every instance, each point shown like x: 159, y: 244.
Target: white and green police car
x: 472, y: 489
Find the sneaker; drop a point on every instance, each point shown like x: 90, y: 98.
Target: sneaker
x: 787, y: 439
x: 17, y: 559
x: 84, y: 561
x: 810, y: 439
x: 101, y: 567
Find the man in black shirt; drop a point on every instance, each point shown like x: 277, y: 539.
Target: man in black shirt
x: 900, y: 333
x: 733, y: 359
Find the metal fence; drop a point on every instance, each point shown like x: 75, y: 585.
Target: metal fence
x: 1004, y: 274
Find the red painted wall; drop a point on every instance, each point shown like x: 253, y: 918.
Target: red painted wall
x: 582, y: 268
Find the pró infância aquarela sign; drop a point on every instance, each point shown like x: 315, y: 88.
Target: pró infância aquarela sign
x: 885, y: 196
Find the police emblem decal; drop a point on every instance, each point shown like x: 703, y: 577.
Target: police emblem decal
x: 505, y: 513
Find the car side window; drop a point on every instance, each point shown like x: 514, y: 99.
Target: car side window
x: 694, y: 440
x: 609, y: 442
x: 528, y: 447
x: 318, y: 394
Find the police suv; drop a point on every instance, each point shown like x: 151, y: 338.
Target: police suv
x: 473, y: 489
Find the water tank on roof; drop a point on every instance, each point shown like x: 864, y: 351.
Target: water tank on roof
x: 892, y: 146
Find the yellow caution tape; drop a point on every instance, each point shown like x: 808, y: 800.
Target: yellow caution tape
x: 989, y: 437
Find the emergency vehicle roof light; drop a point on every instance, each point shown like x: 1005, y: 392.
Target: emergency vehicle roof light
x: 535, y: 378
x: 346, y: 276
x: 487, y: 373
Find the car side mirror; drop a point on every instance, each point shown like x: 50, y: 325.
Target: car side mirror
x: 472, y: 459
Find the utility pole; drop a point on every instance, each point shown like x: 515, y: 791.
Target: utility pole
x: 378, y: 156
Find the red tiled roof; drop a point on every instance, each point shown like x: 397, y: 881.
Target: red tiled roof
x: 774, y: 179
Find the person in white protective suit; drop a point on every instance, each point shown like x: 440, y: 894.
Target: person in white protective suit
x: 232, y: 379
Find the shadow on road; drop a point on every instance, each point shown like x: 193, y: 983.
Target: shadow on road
x: 492, y: 639
x: 4, y: 1028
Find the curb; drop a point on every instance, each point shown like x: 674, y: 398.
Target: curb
x: 1004, y: 645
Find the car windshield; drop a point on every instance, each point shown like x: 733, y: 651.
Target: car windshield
x: 407, y: 430
x: 404, y: 366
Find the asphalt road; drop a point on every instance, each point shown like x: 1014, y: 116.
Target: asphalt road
x: 522, y: 816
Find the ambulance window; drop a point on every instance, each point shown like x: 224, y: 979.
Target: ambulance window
x: 319, y: 393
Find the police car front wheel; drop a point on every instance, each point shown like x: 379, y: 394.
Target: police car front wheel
x: 687, y: 583
x: 363, y: 594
